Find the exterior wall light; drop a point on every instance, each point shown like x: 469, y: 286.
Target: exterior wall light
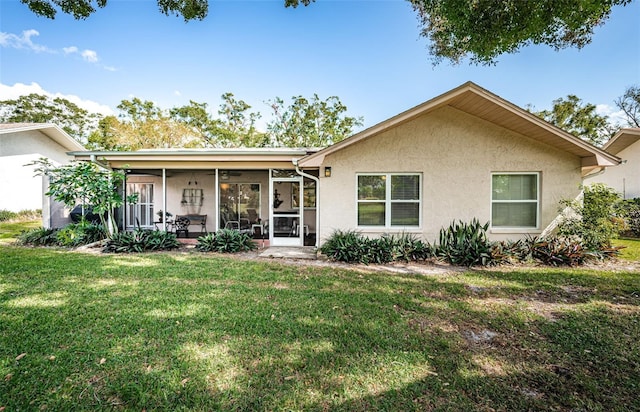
x: 327, y: 171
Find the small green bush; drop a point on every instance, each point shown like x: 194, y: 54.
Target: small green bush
x: 82, y: 233
x: 6, y: 215
x: 141, y: 241
x: 464, y: 244
x: 596, y: 220
x: 26, y: 214
x: 347, y: 246
x: 226, y: 241
x: 352, y: 247
x: 630, y: 210
x: 39, y: 237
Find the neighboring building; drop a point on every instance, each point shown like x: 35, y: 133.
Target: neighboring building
x: 625, y: 179
x: 23, y: 143
x: 465, y: 154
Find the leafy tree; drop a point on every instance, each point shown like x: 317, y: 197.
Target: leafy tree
x: 484, y: 29
x: 629, y: 103
x: 37, y: 108
x: 81, y: 9
x: 310, y: 122
x: 142, y: 125
x: 580, y: 119
x: 88, y: 184
x: 238, y: 125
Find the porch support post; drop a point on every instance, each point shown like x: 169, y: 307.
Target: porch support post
x: 164, y: 199
x: 317, y: 180
x: 216, y: 190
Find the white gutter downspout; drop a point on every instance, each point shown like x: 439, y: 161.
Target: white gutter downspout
x: 317, y: 180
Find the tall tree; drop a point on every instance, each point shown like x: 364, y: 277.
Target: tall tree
x: 580, y: 119
x: 484, y: 29
x: 629, y: 103
x: 142, y: 125
x: 238, y: 124
x: 310, y: 122
x: 37, y: 108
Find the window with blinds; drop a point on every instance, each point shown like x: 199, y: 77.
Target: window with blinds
x: 515, y: 200
x: 389, y: 200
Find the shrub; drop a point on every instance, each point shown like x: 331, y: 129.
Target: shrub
x: 226, y: 241
x: 39, y: 237
x: 352, y: 247
x: 465, y: 244
x: 630, y: 210
x: 23, y: 215
x: 347, y: 246
x: 509, y: 251
x: 595, y: 221
x: 556, y: 251
x: 7, y: 215
x: 406, y: 247
x: 82, y: 233
x: 141, y: 241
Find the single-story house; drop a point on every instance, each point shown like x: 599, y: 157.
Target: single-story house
x: 625, y: 179
x: 21, y: 144
x: 465, y: 154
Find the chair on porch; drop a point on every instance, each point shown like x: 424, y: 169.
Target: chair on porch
x: 181, y: 225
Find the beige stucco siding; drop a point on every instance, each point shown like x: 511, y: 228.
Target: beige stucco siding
x: 456, y: 154
x: 21, y: 189
x: 625, y: 178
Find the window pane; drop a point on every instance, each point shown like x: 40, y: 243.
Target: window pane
x: 371, y: 214
x: 371, y: 187
x: 515, y: 187
x: 405, y: 214
x: 405, y: 187
x: 514, y: 215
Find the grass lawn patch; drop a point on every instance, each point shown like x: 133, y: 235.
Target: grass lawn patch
x: 9, y: 231
x: 193, y: 331
x: 631, y: 249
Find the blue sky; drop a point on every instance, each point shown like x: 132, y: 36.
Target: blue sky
x: 368, y: 53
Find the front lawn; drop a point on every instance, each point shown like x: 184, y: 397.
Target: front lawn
x: 190, y: 331
x: 9, y: 231
x: 631, y: 249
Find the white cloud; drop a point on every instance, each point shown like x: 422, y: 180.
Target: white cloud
x: 616, y: 116
x: 90, y: 56
x: 23, y: 41
x: 20, y: 89
x: 177, y: 93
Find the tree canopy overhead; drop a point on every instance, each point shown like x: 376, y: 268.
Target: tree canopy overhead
x: 480, y: 30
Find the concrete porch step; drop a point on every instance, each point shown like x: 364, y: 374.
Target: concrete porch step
x: 308, y: 253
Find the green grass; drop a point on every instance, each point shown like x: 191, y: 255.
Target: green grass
x: 631, y: 249
x: 9, y: 231
x: 188, y: 331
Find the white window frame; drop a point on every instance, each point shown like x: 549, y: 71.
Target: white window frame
x: 516, y: 229
x: 388, y: 201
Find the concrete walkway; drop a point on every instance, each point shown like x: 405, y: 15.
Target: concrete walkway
x: 307, y: 253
